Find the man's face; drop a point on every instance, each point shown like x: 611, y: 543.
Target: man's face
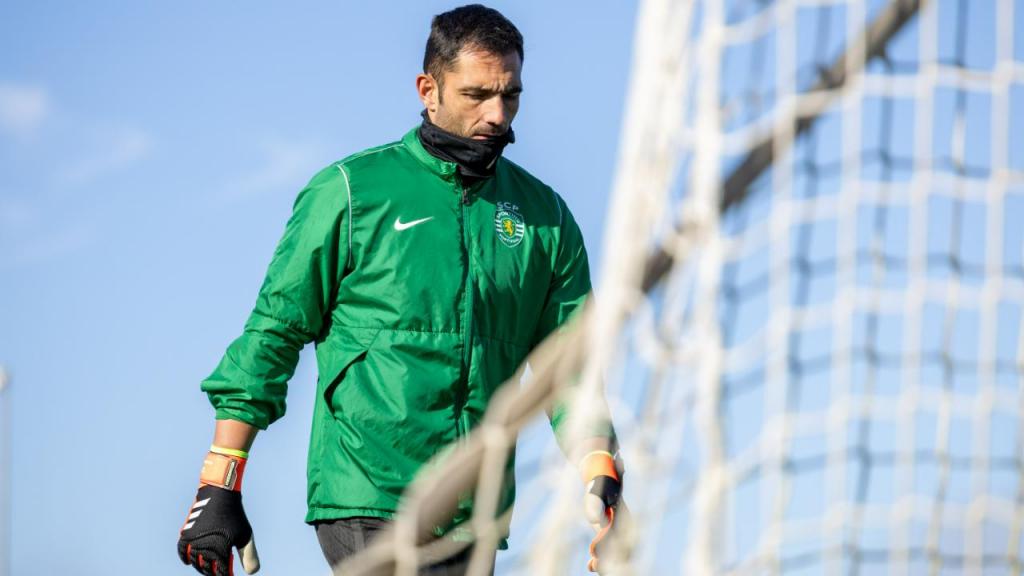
x: 479, y: 97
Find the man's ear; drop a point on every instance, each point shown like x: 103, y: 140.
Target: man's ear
x: 428, y: 91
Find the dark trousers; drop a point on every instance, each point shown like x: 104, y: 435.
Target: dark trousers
x: 342, y: 538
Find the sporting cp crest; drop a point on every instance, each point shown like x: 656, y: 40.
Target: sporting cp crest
x: 508, y: 223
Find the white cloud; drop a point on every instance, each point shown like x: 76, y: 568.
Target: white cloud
x: 114, y: 151
x: 23, y: 108
x: 285, y: 165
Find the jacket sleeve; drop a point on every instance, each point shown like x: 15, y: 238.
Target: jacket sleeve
x: 570, y: 288
x: 251, y: 381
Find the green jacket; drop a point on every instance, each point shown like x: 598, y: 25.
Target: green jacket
x: 422, y: 297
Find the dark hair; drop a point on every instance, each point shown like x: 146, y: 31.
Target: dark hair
x: 475, y: 26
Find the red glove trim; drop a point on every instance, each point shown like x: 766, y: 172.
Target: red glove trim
x: 592, y: 564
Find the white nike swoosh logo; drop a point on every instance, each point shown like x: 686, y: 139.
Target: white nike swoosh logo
x: 399, y: 225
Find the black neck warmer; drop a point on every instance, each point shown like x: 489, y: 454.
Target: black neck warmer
x: 476, y: 158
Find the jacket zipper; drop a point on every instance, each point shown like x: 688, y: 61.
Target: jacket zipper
x: 467, y: 322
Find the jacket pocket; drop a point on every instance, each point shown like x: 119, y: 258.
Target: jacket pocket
x: 337, y: 356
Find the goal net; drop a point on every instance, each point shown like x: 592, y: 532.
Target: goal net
x: 809, y: 322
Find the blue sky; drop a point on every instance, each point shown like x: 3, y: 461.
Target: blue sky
x: 149, y: 156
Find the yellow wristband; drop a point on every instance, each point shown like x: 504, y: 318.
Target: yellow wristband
x: 228, y: 451
x: 589, y: 454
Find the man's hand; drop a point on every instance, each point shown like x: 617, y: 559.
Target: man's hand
x: 216, y: 522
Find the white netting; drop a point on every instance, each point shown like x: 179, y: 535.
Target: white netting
x: 810, y: 319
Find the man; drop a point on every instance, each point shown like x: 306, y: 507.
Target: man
x: 425, y: 270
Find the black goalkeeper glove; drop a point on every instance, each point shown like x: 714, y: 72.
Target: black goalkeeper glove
x: 216, y: 522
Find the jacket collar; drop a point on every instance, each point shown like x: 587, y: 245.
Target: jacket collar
x: 445, y: 170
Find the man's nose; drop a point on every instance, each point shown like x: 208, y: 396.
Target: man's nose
x: 495, y: 111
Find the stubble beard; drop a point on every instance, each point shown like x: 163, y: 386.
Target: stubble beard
x: 446, y: 122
